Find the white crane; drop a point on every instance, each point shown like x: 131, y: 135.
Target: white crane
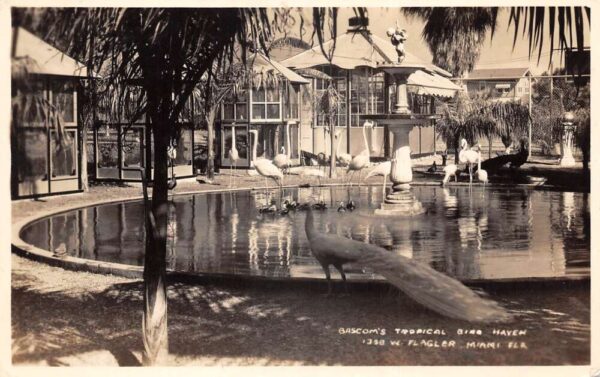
x: 384, y: 169
x: 263, y: 166
x: 362, y: 160
x: 234, y: 155
x: 469, y: 157
x: 449, y: 171
x: 343, y: 158
x: 282, y: 160
x: 430, y: 288
x: 307, y: 171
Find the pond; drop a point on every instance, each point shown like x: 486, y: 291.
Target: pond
x: 493, y: 233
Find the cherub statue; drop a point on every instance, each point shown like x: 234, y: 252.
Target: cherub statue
x: 398, y: 37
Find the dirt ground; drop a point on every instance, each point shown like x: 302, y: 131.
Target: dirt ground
x: 62, y: 317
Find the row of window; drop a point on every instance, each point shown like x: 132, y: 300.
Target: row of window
x: 266, y: 104
x: 364, y: 94
x: 502, y: 87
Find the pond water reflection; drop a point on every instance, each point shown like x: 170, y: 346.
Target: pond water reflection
x: 482, y: 234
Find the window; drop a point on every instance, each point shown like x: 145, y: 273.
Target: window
x: 340, y: 84
x: 266, y: 104
x: 187, y: 113
x: 65, y: 100
x: 108, y: 152
x: 235, y: 107
x: 290, y: 99
x: 421, y: 103
x: 503, y: 88
x: 482, y: 85
x: 33, y: 152
x: 63, y: 153
x: 184, y: 148
x: 133, y: 152
x: 367, y: 94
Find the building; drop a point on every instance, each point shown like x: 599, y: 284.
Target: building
x: 46, y: 119
x: 367, y: 90
x: 273, y: 111
x: 504, y: 84
x: 118, y: 149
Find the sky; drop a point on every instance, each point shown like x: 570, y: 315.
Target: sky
x: 496, y: 52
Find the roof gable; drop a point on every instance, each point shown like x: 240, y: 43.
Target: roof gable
x: 48, y: 59
x: 358, y: 49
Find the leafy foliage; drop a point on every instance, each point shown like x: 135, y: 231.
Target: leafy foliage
x: 535, y: 21
x: 455, y: 35
x: 548, y: 107
x: 472, y: 119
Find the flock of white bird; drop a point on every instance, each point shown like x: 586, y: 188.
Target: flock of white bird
x: 469, y: 157
x: 274, y: 169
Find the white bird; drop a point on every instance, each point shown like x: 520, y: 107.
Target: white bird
x: 234, y: 156
x: 282, y: 160
x: 263, y: 166
x: 482, y: 175
x: 306, y: 171
x: 468, y: 157
x: 428, y: 287
x: 449, y: 171
x: 343, y: 158
x: 385, y: 168
x: 362, y: 160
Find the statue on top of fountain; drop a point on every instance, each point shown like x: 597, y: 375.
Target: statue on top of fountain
x: 398, y: 37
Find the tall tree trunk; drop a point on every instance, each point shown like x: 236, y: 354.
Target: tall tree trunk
x: 210, y: 163
x: 456, y: 151
x: 90, y: 110
x: 154, y: 324
x: 83, y: 166
x: 333, y: 158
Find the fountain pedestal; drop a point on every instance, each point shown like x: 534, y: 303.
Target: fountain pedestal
x: 400, y: 201
x: 566, y: 158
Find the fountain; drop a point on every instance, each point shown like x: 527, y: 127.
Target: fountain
x: 401, y: 201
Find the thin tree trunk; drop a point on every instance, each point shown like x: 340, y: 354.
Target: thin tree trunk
x: 332, y: 162
x: 210, y: 163
x: 154, y: 324
x: 91, y: 109
x: 83, y: 166
x: 456, y: 151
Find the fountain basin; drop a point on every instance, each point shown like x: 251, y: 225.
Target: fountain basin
x: 485, y: 236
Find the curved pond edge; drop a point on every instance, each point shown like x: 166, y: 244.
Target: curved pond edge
x: 24, y: 249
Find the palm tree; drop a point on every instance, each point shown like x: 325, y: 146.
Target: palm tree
x: 166, y: 52
x: 471, y: 119
x: 456, y: 123
x: 327, y: 104
x: 455, y: 35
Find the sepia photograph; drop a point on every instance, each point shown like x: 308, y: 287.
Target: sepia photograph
x: 298, y: 186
